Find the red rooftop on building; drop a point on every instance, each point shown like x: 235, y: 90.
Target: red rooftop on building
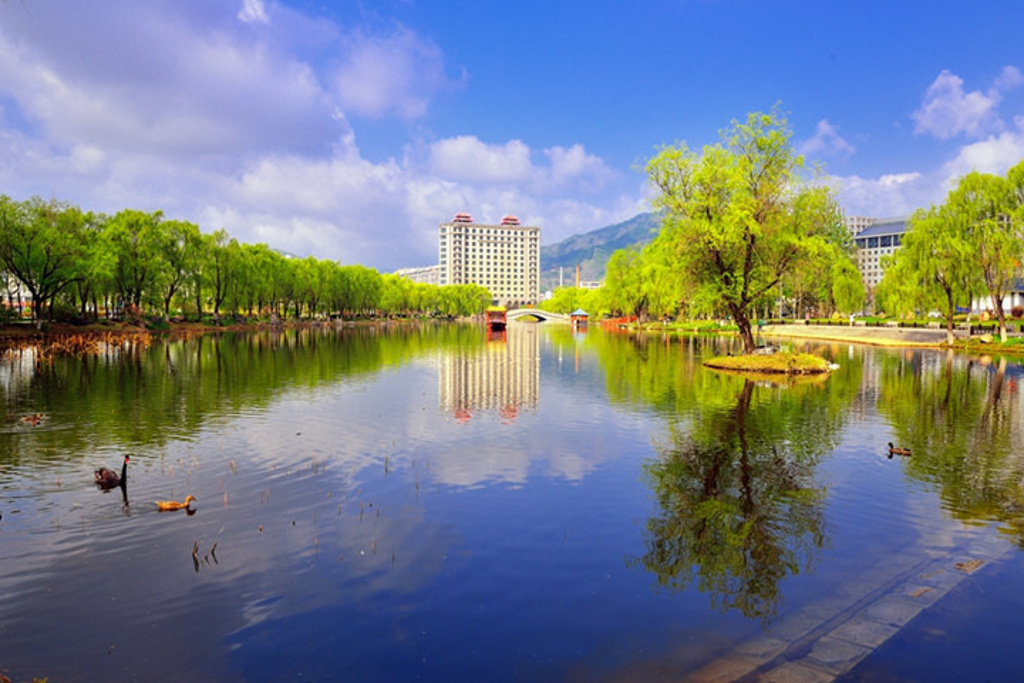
x: 510, y: 220
x: 462, y: 218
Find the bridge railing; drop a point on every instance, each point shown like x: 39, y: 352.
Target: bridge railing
x: 535, y: 312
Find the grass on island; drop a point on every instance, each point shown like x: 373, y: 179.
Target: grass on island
x: 785, y: 363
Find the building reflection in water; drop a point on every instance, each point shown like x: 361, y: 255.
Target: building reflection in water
x: 502, y: 375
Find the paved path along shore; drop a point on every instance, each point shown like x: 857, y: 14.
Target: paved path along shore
x: 881, y: 336
x: 829, y: 638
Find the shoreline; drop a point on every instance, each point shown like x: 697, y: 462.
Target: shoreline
x: 877, y: 336
x: 27, y: 333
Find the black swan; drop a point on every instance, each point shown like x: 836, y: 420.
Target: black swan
x: 108, y: 479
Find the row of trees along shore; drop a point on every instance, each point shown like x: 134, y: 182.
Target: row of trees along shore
x: 78, y: 264
x: 743, y: 230
x: 970, y: 246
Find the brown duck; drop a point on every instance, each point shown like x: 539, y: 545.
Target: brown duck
x: 175, y: 505
x: 896, y: 450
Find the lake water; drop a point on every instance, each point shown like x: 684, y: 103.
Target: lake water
x: 426, y: 503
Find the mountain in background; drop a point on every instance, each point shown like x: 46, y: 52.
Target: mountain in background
x: 592, y: 250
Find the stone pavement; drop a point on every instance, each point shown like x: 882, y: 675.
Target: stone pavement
x: 882, y: 336
x: 829, y: 638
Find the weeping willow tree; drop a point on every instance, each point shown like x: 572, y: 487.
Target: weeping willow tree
x: 739, y: 217
x: 934, y: 267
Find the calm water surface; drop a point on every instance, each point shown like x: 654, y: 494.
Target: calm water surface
x: 380, y: 504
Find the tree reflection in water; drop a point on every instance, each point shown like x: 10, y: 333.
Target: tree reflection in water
x: 963, y: 423
x: 739, y: 510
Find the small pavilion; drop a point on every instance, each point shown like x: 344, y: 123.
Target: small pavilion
x: 579, y: 318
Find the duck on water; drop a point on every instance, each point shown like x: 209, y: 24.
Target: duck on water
x: 167, y: 505
x: 896, y: 450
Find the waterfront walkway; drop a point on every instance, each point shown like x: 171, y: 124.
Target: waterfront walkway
x: 880, y: 336
x: 829, y: 638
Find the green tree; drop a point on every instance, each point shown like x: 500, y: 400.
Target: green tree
x: 738, y: 216
x: 463, y: 300
x: 367, y: 286
x: 664, y: 286
x: 218, y: 267
x: 847, y: 285
x: 40, y: 244
x: 134, y: 241
x: 626, y: 293
x: 935, y: 266
x: 179, y: 243
x: 982, y: 207
x: 396, y: 296
x: 95, y: 268
x: 831, y: 282
x: 564, y: 300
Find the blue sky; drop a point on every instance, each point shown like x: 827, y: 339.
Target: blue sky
x: 349, y: 130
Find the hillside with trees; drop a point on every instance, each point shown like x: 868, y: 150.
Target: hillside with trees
x: 592, y: 250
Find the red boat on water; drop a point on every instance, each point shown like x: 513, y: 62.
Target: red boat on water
x: 496, y: 319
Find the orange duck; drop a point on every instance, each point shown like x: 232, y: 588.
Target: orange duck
x: 175, y: 505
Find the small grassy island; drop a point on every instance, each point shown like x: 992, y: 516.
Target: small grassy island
x: 784, y: 363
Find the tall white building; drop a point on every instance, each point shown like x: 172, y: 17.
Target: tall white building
x: 881, y: 238
x: 505, y: 258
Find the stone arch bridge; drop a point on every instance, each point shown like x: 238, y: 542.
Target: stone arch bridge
x: 541, y: 315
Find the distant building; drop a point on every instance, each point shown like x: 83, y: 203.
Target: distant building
x: 856, y: 224
x: 430, y: 275
x: 505, y: 258
x: 881, y: 237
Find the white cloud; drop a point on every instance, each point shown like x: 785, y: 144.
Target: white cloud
x: 898, y: 194
x: 574, y: 165
x: 397, y: 73
x: 167, y: 85
x: 253, y: 12
x: 995, y: 154
x: 826, y: 141
x: 893, y: 194
x: 1010, y: 78
x: 947, y: 111
x: 467, y: 158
